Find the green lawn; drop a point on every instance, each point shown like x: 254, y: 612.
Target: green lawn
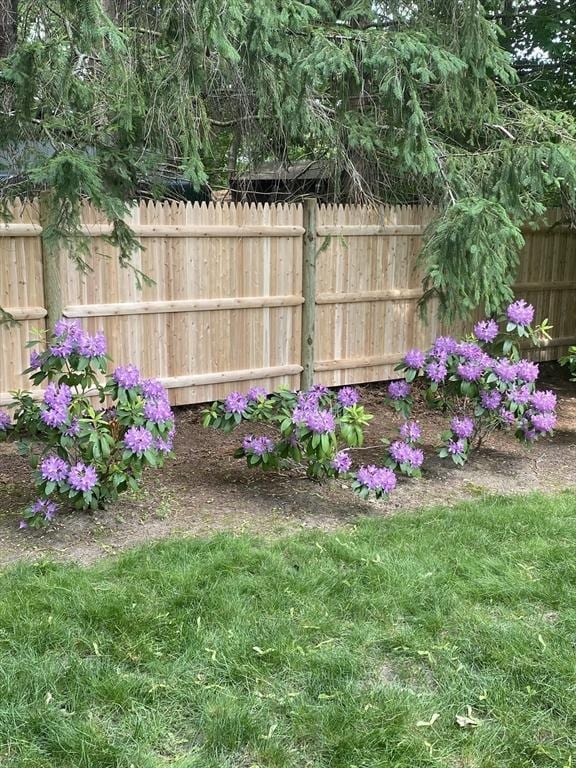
x: 317, y: 650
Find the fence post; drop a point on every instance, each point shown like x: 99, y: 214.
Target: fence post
x: 309, y: 294
x: 50, y: 271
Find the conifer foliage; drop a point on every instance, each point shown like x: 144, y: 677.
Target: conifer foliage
x: 405, y: 101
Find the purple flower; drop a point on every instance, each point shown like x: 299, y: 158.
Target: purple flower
x: 507, y: 416
x: 416, y: 458
x: 44, y: 507
x: 471, y: 371
x: 527, y: 371
x: 410, y: 431
x: 348, y: 396
x: 82, y: 477
x: 414, y: 358
x: 376, y: 478
x: 158, y: 411
x: 54, y: 417
x: 23, y: 525
x: 400, y: 451
x: 520, y: 312
x: 54, y: 468
x: 444, y: 346
x: 320, y: 389
x: 235, y: 403
x: 543, y: 400
x: 153, y: 389
x: 138, y: 440
x: 529, y: 434
x: 127, y: 376
x: 35, y: 360
x: 58, y: 396
x: 520, y: 395
x: 64, y: 347
x: 491, y: 400
x: 255, y: 393
x: 462, y: 427
x: 486, y: 330
x: 163, y: 446
x: 505, y: 369
x: 73, y: 430
x: 308, y: 399
x: 262, y: 445
x: 544, y: 422
x: 320, y: 421
x: 92, y: 346
x: 436, y: 372
x: 5, y: 421
x: 341, y: 462
x: 398, y: 390
x: 69, y: 328
x: 456, y: 447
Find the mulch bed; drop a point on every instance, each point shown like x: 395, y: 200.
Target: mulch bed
x: 205, y: 489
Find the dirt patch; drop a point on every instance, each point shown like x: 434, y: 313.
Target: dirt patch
x: 205, y: 489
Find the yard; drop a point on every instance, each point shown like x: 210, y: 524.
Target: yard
x: 205, y: 489
x: 444, y: 638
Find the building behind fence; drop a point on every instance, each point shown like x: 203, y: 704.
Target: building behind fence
x: 255, y: 295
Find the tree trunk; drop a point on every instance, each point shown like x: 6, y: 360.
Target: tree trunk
x: 8, y: 26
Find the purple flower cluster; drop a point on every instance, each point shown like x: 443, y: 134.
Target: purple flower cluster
x: 158, y: 410
x: 436, y: 371
x: 341, y: 462
x: 410, y: 431
x: 57, y: 399
x: 527, y: 371
x: 82, y: 477
x: 444, y: 346
x: 5, y: 421
x: 236, y: 402
x: 259, y: 446
x: 43, y: 508
x: 54, y: 469
x: 398, y: 390
x: 376, y: 478
x: 138, y: 440
x: 520, y: 395
x: 505, y: 369
x: 486, y: 330
x: 520, y: 312
x: 543, y: 400
x: 456, y: 447
x: 403, y: 453
x: 414, y: 358
x: 255, y: 393
x: 127, y: 376
x: 471, y: 371
x: 35, y: 360
x: 348, y: 396
x: 491, y: 400
x: 462, y: 428
x: 544, y: 422
x: 320, y: 422
x: 71, y: 338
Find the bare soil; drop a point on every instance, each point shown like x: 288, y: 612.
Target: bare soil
x: 205, y: 489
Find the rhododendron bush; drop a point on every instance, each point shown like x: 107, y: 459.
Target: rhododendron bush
x: 479, y: 383
x: 84, y: 456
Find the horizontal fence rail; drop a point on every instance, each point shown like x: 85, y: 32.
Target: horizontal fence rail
x: 246, y: 295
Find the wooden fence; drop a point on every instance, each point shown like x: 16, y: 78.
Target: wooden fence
x: 254, y: 295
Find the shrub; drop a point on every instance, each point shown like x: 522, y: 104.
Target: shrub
x: 569, y: 360
x: 84, y: 456
x: 480, y: 383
